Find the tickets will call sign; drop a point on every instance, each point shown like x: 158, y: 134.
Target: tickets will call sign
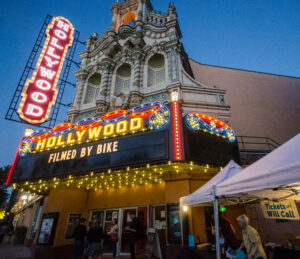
x: 40, y: 92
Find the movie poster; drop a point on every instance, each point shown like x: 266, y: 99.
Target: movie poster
x: 47, y: 229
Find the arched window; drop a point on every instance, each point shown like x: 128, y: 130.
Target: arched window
x: 156, y: 70
x: 93, y: 88
x: 123, y: 80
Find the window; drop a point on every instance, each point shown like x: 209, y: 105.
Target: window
x: 123, y: 80
x: 156, y: 70
x: 93, y: 88
x: 35, y: 219
x: 160, y: 217
x: 73, y: 221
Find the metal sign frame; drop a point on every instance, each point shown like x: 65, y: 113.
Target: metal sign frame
x: 12, y: 114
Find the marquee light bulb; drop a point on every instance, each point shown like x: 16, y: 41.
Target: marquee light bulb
x: 28, y: 132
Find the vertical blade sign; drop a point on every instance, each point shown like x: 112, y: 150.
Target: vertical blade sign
x: 40, y: 92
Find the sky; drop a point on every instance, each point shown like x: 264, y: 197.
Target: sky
x: 256, y: 35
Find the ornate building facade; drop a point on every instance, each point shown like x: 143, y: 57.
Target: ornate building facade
x: 103, y: 176
x: 140, y: 59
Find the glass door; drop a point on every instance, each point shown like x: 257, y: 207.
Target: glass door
x: 111, y: 216
x: 126, y: 221
x: 142, y: 230
x: 96, y: 216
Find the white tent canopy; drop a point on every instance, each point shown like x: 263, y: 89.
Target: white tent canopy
x: 205, y: 193
x: 275, y: 176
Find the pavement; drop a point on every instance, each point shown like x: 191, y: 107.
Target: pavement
x: 10, y: 251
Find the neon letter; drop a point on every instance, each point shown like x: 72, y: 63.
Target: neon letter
x: 46, y: 72
x: 40, y: 146
x: 60, y: 34
x: 39, y: 97
x: 136, y: 124
x: 55, y: 44
x: 122, y: 127
x: 51, y: 142
x: 34, y: 110
x: 81, y: 135
x: 70, y: 139
x: 50, y: 52
x: 108, y: 130
x: 50, y: 63
x: 63, y: 25
x: 43, y: 84
x: 60, y: 141
x: 94, y: 133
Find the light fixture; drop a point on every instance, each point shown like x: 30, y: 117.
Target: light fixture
x: 174, y: 96
x: 24, y: 197
x: 222, y: 208
x: 185, y: 208
x: 28, y: 132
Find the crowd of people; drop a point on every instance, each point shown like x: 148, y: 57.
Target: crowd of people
x: 89, y: 242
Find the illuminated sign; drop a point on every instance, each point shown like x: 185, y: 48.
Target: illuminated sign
x: 119, y: 152
x: 286, y: 209
x: 40, y: 92
x: 107, y: 147
x: 197, y: 121
x: 177, y: 133
x: 148, y: 116
x: 2, y: 214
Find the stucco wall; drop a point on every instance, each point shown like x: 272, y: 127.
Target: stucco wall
x: 263, y: 105
x: 65, y: 202
x: 127, y: 197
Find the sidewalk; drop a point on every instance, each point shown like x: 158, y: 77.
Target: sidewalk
x: 10, y: 251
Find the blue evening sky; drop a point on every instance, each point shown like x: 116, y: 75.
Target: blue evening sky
x: 256, y: 35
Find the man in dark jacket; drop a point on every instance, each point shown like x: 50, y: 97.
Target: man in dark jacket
x: 132, y: 233
x: 79, y: 236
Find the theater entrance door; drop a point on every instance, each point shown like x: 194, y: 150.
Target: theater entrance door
x: 141, y: 236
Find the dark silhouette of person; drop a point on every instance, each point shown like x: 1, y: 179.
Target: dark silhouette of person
x: 133, y: 228
x: 79, y: 235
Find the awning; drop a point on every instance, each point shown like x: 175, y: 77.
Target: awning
x: 275, y: 176
x: 205, y: 193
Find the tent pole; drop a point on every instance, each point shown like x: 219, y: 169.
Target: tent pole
x: 181, y: 224
x: 216, y: 214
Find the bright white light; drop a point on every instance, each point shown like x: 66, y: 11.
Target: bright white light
x: 24, y: 197
x: 185, y: 208
x: 28, y: 132
x: 174, y: 96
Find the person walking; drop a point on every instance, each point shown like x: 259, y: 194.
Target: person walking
x: 114, y: 237
x: 94, y: 238
x: 132, y: 233
x: 3, y: 230
x: 251, y: 239
x: 10, y: 233
x: 79, y: 235
x: 228, y: 233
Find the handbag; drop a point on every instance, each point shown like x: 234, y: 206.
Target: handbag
x: 114, y: 238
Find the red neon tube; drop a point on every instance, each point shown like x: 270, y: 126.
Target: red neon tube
x: 14, y: 163
x: 174, y: 131
x: 179, y: 132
